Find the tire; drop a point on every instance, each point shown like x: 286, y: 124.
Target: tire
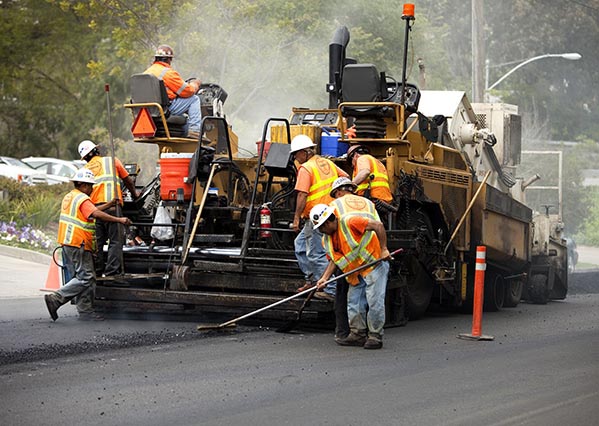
x: 537, y: 289
x: 513, y: 293
x: 494, y: 292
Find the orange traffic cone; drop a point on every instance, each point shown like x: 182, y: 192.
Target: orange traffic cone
x: 55, y: 277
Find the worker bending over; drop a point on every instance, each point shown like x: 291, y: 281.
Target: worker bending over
x: 354, y: 237
x: 369, y: 174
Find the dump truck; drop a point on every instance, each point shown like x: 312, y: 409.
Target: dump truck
x: 224, y: 241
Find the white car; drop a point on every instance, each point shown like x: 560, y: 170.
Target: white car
x: 58, y: 171
x: 16, y: 169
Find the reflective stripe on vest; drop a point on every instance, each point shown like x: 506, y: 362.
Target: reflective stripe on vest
x: 323, y: 174
x: 103, y: 191
x: 161, y: 70
x: 75, y: 229
x: 379, y: 186
x: 355, y: 251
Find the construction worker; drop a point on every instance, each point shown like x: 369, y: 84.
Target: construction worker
x: 76, y: 236
x: 341, y: 187
x: 182, y: 94
x: 103, y: 192
x: 369, y: 174
x: 314, y: 178
x: 354, y: 237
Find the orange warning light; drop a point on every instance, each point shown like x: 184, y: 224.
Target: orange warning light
x: 408, y: 10
x: 143, y: 126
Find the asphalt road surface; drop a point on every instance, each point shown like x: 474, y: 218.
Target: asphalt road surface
x: 541, y: 369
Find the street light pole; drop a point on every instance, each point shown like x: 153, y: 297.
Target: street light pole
x: 569, y: 56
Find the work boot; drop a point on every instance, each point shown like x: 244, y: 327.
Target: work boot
x: 306, y: 286
x: 90, y: 316
x: 323, y: 295
x: 52, y: 304
x: 375, y: 341
x: 340, y: 338
x: 354, y: 339
x: 193, y: 134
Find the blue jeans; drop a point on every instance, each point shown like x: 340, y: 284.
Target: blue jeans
x: 310, y: 255
x: 192, y: 106
x: 366, y: 301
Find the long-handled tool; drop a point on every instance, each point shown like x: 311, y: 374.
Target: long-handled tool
x: 114, y: 178
x: 215, y: 167
x: 298, y: 316
x: 232, y: 323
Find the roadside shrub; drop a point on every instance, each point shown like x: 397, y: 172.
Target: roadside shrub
x: 29, y: 215
x: 40, y: 210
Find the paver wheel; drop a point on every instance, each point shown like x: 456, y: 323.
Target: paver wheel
x: 537, y: 289
x: 513, y: 293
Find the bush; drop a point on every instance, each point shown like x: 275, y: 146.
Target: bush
x: 41, y: 210
x: 29, y: 216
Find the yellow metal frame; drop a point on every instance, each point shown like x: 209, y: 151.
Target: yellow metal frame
x: 168, y: 137
x: 398, y: 120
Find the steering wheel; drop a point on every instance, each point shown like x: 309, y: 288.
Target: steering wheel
x: 395, y: 89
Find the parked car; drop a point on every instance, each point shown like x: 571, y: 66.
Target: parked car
x: 16, y: 169
x: 572, y: 254
x: 58, y: 171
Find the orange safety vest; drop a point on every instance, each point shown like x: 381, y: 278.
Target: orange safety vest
x: 379, y: 186
x: 74, y: 229
x: 324, y: 173
x: 175, y: 85
x: 103, y: 191
x: 355, y: 249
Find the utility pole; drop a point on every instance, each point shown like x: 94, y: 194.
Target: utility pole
x: 478, y: 51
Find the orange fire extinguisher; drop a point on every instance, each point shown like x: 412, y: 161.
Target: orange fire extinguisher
x: 265, y: 221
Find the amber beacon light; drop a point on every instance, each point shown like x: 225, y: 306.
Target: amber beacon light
x: 408, y: 11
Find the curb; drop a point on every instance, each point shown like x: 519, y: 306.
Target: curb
x: 24, y: 254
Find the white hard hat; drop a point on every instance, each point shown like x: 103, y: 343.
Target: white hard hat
x: 319, y: 214
x: 164, y: 51
x: 84, y: 175
x: 85, y: 148
x: 301, y: 142
x: 341, y: 182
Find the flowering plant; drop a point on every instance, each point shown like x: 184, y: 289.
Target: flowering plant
x: 25, y: 237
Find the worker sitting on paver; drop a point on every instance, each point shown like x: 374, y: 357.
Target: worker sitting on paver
x: 182, y: 94
x: 314, y: 178
x: 354, y: 237
x: 76, y: 236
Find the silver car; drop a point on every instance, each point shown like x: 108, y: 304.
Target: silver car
x: 16, y: 169
x: 57, y: 170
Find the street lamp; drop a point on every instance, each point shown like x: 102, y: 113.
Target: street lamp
x: 568, y: 56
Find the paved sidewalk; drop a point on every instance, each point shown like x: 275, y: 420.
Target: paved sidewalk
x: 22, y: 272
x: 19, y: 253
